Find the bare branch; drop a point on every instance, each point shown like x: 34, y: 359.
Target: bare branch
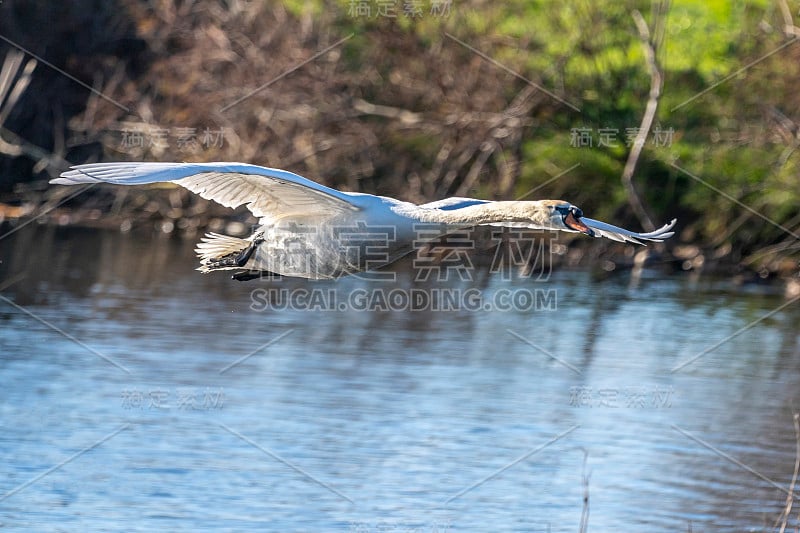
x: 406, y: 117
x: 585, y: 481
x: 656, y: 81
x: 787, y: 511
x: 486, y: 150
x: 13, y: 84
x: 789, y: 29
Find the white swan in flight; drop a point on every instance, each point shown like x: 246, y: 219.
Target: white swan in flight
x: 311, y: 231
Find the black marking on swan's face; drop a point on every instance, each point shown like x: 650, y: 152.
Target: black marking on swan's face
x: 571, y: 217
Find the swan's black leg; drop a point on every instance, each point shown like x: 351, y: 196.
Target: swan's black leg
x: 244, y: 255
x: 247, y: 275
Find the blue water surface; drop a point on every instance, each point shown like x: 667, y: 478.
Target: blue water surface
x: 141, y: 395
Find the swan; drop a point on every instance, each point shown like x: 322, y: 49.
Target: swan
x: 311, y: 231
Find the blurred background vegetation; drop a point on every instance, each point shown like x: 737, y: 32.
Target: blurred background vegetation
x: 426, y: 99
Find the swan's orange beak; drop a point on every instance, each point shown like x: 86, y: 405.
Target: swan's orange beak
x: 575, y: 223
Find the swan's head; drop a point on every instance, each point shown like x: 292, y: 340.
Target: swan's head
x: 565, y: 216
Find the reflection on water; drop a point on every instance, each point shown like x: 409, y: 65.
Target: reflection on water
x: 218, y: 416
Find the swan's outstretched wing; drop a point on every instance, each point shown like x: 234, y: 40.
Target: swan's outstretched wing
x: 601, y: 229
x: 269, y: 193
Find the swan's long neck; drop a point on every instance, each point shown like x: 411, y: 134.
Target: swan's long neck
x: 488, y: 213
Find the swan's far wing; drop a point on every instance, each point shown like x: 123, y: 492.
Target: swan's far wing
x: 454, y: 202
x: 602, y: 229
x: 267, y: 192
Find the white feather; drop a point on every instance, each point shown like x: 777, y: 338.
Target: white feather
x: 268, y: 193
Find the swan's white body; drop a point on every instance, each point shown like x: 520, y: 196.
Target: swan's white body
x: 312, y: 231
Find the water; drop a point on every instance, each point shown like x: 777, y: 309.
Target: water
x: 381, y: 421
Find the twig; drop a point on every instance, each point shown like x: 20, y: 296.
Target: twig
x: 8, y: 86
x: 486, y: 151
x: 790, y: 496
x: 788, y: 22
x: 656, y: 81
x: 54, y: 163
x: 585, y: 481
x: 406, y: 117
x: 432, y: 176
x: 455, y: 168
x: 659, y: 10
x: 14, y: 80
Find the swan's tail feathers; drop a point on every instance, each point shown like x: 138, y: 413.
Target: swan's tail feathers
x: 219, y: 252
